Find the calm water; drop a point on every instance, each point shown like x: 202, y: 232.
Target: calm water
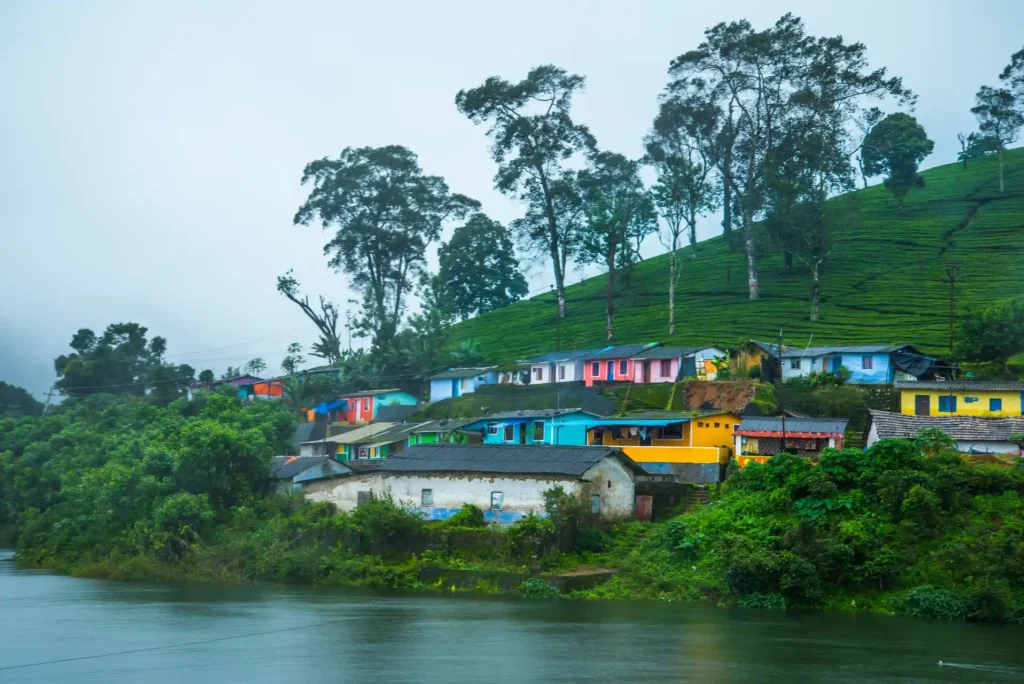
x: 280, y: 635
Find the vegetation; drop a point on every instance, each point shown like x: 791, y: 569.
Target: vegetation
x: 16, y: 402
x: 992, y: 334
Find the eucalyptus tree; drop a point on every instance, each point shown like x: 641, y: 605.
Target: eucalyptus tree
x: 328, y: 347
x: 1000, y: 118
x: 533, y: 141
x: 384, y: 212
x: 617, y: 209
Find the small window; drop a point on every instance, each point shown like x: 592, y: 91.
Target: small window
x: 595, y: 504
x: 699, y: 424
x: 539, y: 372
x: 717, y: 425
x: 794, y: 364
x: 867, y: 363
x: 427, y: 497
x: 947, y: 404
x: 666, y: 368
x: 623, y: 366
x: 538, y: 431
x: 497, y: 499
x: 995, y: 404
x: 492, y: 428
x: 510, y: 433
x: 595, y: 369
x: 366, y: 404
x: 561, y: 372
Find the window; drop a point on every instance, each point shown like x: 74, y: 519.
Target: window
x: 947, y: 404
x: 699, y: 424
x: 561, y: 372
x: 623, y: 366
x: 595, y: 503
x: 995, y: 404
x: 538, y: 431
x: 539, y: 372
x: 717, y: 425
x: 595, y: 369
x: 666, y: 368
x: 867, y: 363
x: 427, y: 497
x: 362, y: 452
x: 794, y: 364
x: 497, y: 499
x: 510, y: 433
x: 366, y: 403
x: 492, y: 428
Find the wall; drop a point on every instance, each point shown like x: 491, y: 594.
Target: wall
x: 611, y: 480
x: 677, y: 454
x: 1011, y: 402
x: 560, y: 430
x: 588, y: 368
x: 550, y: 372
x: 441, y: 389
x: 879, y: 374
x: 655, y: 366
x: 712, y: 431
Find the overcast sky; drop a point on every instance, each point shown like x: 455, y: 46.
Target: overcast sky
x: 151, y: 152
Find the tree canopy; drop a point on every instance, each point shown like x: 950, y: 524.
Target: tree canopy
x: 895, y: 147
x: 16, y: 402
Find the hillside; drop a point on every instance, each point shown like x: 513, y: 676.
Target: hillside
x: 883, y: 284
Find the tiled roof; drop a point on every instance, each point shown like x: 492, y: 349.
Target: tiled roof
x: 461, y: 373
x: 517, y: 459
x: 370, y: 393
x: 287, y: 467
x: 669, y: 352
x: 978, y: 385
x: 625, y: 351
x: 829, y: 426
x: 958, y: 427
x: 555, y: 356
x: 442, y: 425
x: 791, y: 352
x: 394, y: 414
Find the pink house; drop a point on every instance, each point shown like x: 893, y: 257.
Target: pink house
x: 668, y: 364
x: 614, y: 364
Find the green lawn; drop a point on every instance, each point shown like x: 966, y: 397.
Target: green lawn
x: 883, y: 284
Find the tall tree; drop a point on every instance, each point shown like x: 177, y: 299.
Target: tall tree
x: 120, y: 361
x: 478, y: 268
x: 328, y: 347
x: 895, y: 147
x: 617, y: 207
x: 533, y: 137
x: 206, y: 376
x: 679, y: 151
x: 385, y: 212
x: 255, y: 366
x: 294, y: 359
x: 1000, y: 118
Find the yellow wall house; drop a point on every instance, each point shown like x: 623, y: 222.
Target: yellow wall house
x: 707, y: 439
x: 985, y: 398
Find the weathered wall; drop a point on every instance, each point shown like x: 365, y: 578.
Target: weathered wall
x: 611, y: 480
x: 713, y: 431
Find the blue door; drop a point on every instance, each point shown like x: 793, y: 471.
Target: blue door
x: 455, y: 387
x: 836, y: 363
x: 611, y: 371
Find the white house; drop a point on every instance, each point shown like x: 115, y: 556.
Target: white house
x: 973, y: 435
x: 667, y: 364
x: 868, y: 364
x: 559, y: 366
x: 455, y: 382
x: 506, y: 482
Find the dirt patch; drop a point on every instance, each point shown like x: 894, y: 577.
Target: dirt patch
x: 725, y: 395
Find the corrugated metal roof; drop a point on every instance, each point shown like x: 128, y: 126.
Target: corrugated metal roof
x: 978, y: 385
x: 626, y: 351
x: 774, y: 424
x: 517, y: 459
x: 792, y: 352
x: 442, y: 425
x: 370, y: 393
x: 532, y: 413
x: 395, y: 413
x: 555, y: 356
x: 287, y: 467
x: 958, y: 427
x: 454, y: 373
x: 355, y: 436
x: 670, y: 352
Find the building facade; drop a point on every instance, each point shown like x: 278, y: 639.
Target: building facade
x: 668, y: 364
x: 974, y: 435
x: 991, y: 398
x: 559, y: 366
x: 758, y: 438
x: 458, y: 381
x: 614, y: 364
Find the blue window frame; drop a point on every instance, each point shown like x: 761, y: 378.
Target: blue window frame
x: 622, y: 367
x: 947, y: 404
x: 995, y: 404
x: 595, y: 369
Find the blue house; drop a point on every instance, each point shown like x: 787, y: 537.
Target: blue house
x: 455, y: 382
x: 868, y: 364
x: 538, y: 426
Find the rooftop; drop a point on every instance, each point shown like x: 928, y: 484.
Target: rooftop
x: 823, y: 426
x: 625, y: 351
x: 446, y: 425
x: 532, y: 413
x: 791, y: 352
x: 461, y: 373
x: 669, y: 352
x: 978, y: 385
x: 370, y: 393
x: 958, y: 427
x: 357, y: 435
x: 287, y: 467
x: 564, y: 355
x: 572, y: 461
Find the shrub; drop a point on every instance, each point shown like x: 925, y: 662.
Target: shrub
x: 386, y: 528
x: 468, y: 516
x: 531, y: 538
x: 931, y: 602
x: 536, y: 588
x: 763, y: 601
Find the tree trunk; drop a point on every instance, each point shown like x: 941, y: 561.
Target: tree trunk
x: 787, y: 266
x: 553, y: 245
x: 609, y: 327
x: 860, y: 163
x: 727, y: 199
x: 751, y: 249
x: 556, y: 263
x: 672, y: 292
x: 693, y: 234
x: 815, y: 290
x: 999, y: 153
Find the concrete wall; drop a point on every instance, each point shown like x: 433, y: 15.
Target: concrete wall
x: 1011, y: 401
x: 655, y: 365
x: 880, y: 373
x: 714, y: 430
x: 677, y: 454
x: 602, y: 375
x: 543, y: 373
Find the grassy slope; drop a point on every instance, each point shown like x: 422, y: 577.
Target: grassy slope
x: 883, y: 284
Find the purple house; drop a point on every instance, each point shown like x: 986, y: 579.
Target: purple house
x: 242, y: 383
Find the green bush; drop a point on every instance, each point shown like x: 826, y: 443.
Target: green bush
x: 468, y: 516
x: 931, y: 602
x: 536, y: 588
x: 763, y: 601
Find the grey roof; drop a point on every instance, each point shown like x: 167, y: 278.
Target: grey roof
x: 791, y: 352
x: 394, y: 414
x: 394, y: 433
x: 357, y: 435
x: 772, y: 349
x: 287, y: 467
x: 958, y: 427
x: 442, y: 425
x: 978, y: 385
x: 774, y: 424
x: 369, y: 393
x: 625, y: 351
x: 309, y: 432
x: 516, y: 459
x: 531, y: 413
x: 461, y: 373
x: 552, y: 357
x: 670, y: 352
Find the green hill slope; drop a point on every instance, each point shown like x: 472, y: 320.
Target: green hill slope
x: 883, y: 283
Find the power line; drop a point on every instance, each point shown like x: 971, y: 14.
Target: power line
x: 147, y: 649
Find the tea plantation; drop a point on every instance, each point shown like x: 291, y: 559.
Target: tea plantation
x: 883, y: 283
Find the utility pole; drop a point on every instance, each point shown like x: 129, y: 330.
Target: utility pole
x: 782, y: 411
x: 952, y: 277
x: 348, y: 327
x: 48, y: 396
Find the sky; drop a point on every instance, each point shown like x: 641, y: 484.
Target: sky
x: 151, y: 152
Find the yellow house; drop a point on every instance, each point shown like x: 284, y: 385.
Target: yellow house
x: 667, y: 439
x: 991, y: 398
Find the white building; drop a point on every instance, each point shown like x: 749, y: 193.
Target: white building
x: 455, y: 382
x: 973, y: 435
x: 506, y: 482
x: 559, y: 366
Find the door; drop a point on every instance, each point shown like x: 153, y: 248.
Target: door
x: 644, y: 506
x: 522, y: 433
x: 835, y: 362
x: 922, y: 405
x: 646, y: 373
x: 455, y: 387
x: 611, y: 371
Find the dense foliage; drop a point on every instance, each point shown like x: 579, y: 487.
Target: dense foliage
x: 16, y: 402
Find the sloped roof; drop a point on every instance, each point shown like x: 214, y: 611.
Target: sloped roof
x: 394, y: 414
x: 670, y: 352
x: 442, y: 425
x: 564, y: 355
x: 625, y: 351
x: 461, y: 373
x: 771, y: 349
x: 397, y: 431
x: 309, y: 432
x: 531, y: 413
x: 792, y: 352
x: 978, y: 385
x: 287, y: 467
x: 357, y: 435
x: 370, y: 393
x: 958, y: 427
x: 825, y: 426
x: 571, y: 461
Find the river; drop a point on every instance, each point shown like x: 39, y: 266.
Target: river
x: 63, y: 629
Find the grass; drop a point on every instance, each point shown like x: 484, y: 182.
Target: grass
x: 882, y: 285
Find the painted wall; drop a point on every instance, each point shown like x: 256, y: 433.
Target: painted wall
x: 677, y: 454
x: 980, y: 405
x: 558, y: 430
x: 880, y: 373
x: 543, y: 373
x: 617, y: 375
x: 712, y: 431
x: 656, y: 374
x: 446, y: 388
